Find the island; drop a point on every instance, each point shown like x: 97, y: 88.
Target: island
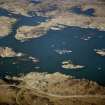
x: 100, y: 52
x: 6, y: 52
x: 69, y: 65
x: 9, y: 52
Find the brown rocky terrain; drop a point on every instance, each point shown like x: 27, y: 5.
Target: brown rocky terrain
x: 56, y: 88
x: 6, y: 52
x: 50, y: 89
x: 5, y: 25
x: 58, y: 12
x: 66, y: 18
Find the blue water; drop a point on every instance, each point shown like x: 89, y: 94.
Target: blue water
x: 78, y: 10
x: 44, y: 48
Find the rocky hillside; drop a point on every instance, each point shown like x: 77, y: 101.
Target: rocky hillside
x: 50, y: 89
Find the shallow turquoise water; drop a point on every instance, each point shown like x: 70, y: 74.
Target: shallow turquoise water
x: 44, y: 48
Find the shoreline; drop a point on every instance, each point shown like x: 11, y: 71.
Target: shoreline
x: 55, y: 87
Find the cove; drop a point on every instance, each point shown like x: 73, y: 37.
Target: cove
x: 78, y: 10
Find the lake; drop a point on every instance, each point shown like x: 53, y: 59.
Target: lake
x: 81, y: 42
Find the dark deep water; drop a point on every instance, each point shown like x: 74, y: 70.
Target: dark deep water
x: 82, y: 42
x: 78, y: 10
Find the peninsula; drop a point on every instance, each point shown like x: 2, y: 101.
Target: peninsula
x: 6, y: 25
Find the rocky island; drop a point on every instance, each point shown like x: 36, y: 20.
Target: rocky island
x: 69, y: 65
x: 6, y: 52
x: 100, y: 52
x: 9, y: 52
